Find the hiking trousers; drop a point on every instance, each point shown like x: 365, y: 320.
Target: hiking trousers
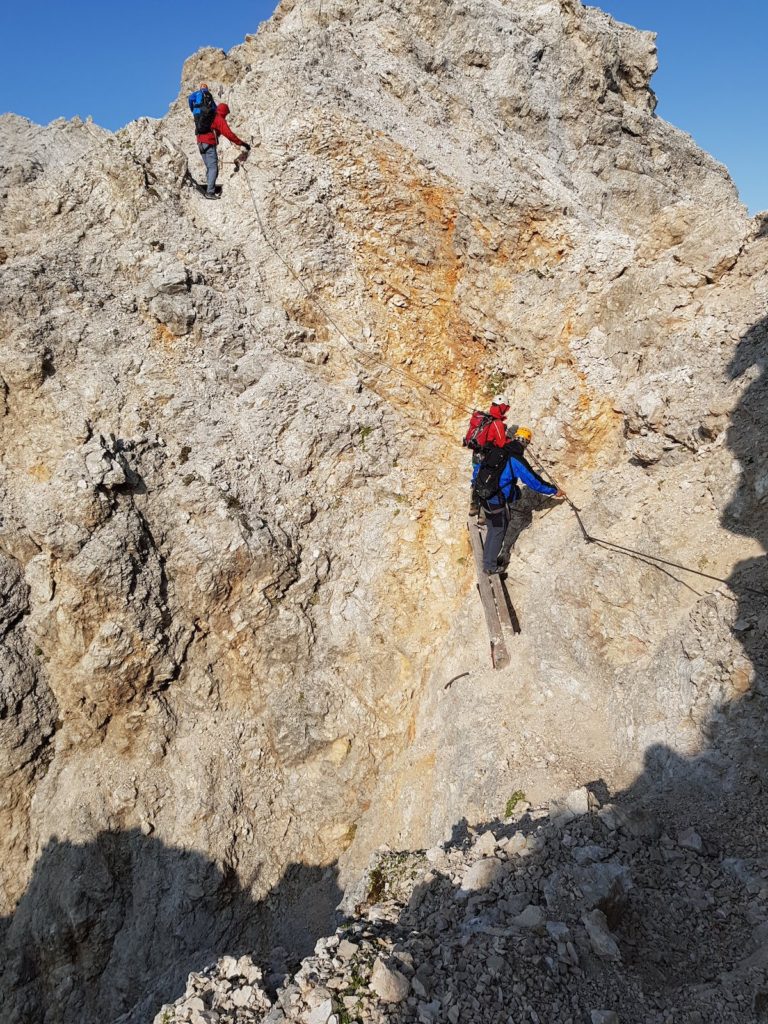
x: 497, y: 523
x: 210, y: 157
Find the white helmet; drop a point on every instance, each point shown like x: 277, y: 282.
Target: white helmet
x: 500, y: 400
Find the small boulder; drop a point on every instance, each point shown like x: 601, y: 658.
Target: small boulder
x: 605, y: 886
x: 204, y: 1017
x: 315, y: 996
x: 535, y: 843
x: 559, y: 931
x: 636, y: 820
x: 389, y: 984
x: 689, y: 839
x: 347, y: 949
x: 485, y: 845
x: 242, y: 996
x: 169, y: 279
x: 589, y: 854
x: 321, y: 1013
x: 532, y: 919
x: 516, y: 844
x: 437, y: 856
x: 572, y: 806
x: 648, y: 449
x: 610, y: 817
x: 419, y: 988
x: 602, y: 942
x: 495, y: 965
x: 481, y: 875
x: 604, y: 1017
x: 228, y: 968
x: 275, y: 1016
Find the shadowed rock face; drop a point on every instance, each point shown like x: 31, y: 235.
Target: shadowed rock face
x: 114, y: 925
x: 234, y: 578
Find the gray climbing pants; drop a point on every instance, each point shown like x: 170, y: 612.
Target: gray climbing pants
x: 210, y: 157
x: 497, y: 523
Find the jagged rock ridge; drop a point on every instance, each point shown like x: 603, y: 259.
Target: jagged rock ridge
x: 233, y: 563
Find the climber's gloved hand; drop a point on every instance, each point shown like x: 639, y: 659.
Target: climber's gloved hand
x: 246, y: 147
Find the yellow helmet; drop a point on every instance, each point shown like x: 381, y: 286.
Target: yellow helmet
x: 524, y: 434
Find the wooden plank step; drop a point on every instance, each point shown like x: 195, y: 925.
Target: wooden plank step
x: 499, y: 653
x: 504, y: 605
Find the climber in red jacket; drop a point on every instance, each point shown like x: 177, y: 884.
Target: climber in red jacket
x: 496, y: 434
x: 486, y: 430
x: 207, y: 144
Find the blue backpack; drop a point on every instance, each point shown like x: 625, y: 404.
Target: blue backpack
x: 203, y: 107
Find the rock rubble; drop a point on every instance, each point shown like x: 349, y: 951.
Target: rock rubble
x: 551, y: 936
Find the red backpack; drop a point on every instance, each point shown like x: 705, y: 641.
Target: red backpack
x: 477, y: 432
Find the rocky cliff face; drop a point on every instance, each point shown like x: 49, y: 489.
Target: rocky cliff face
x: 234, y: 573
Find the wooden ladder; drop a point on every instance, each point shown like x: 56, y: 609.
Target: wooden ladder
x: 495, y: 601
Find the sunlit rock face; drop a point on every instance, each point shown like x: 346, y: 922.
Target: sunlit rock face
x: 234, y: 574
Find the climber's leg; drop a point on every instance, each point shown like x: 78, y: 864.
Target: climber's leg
x: 211, y: 160
x: 494, y: 538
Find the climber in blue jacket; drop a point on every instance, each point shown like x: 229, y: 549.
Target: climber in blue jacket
x: 499, y: 484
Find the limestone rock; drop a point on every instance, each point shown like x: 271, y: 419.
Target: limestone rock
x: 346, y: 949
x: 605, y: 886
x: 569, y: 807
x: 388, y: 983
x: 516, y: 844
x: 481, y: 875
x: 532, y: 918
x: 600, y: 938
x: 321, y: 1013
x: 689, y: 839
x: 233, y: 577
x: 485, y: 846
x: 590, y: 854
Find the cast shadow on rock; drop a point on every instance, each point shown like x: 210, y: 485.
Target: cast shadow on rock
x: 727, y: 781
x: 111, y: 928
x: 521, y: 518
x: 722, y: 791
x: 553, y: 917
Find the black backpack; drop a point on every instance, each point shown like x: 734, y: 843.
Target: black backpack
x: 488, y: 479
x: 203, y: 107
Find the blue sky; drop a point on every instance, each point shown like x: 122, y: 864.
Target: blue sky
x: 119, y: 61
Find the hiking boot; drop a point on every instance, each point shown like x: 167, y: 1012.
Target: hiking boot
x: 211, y: 195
